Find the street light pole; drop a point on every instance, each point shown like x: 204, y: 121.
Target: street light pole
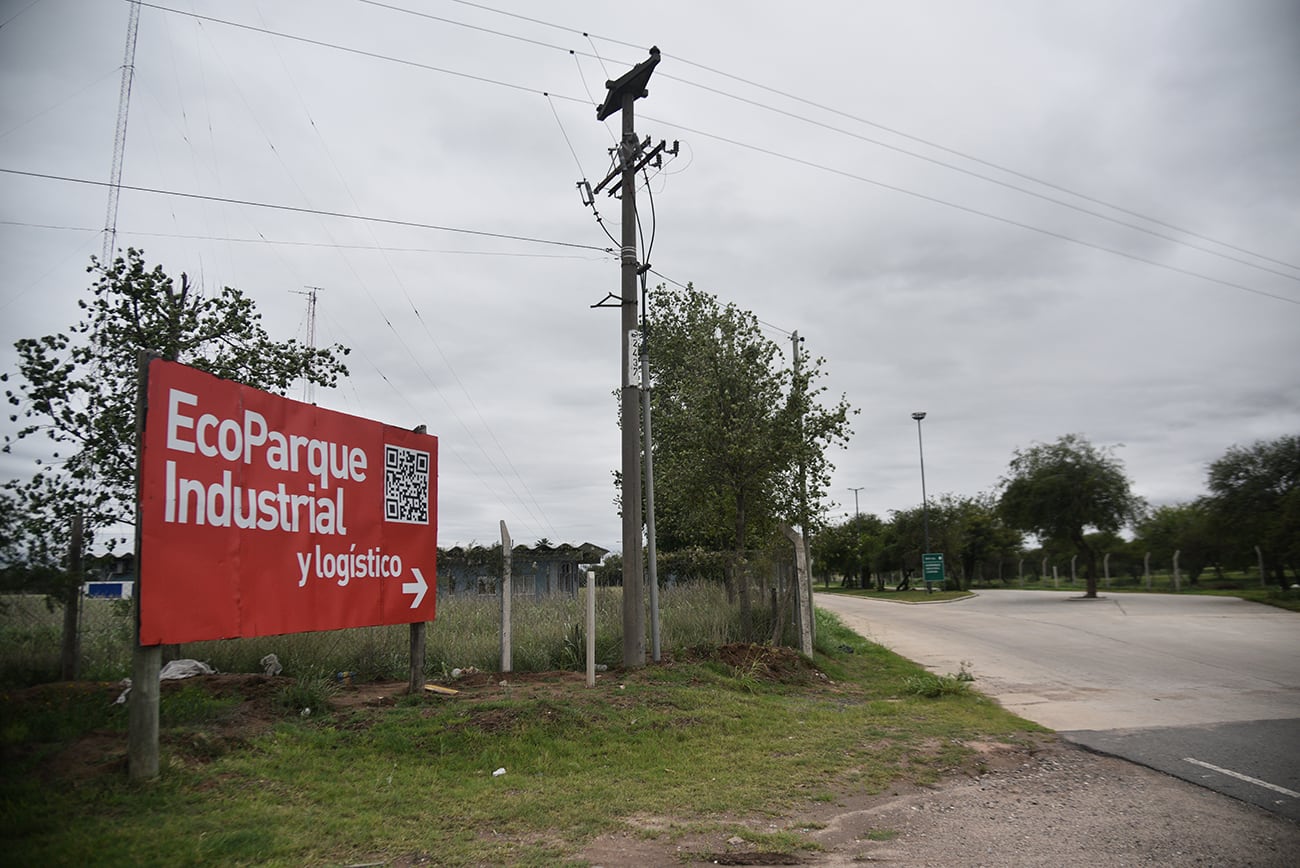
x: 925, y: 503
x: 857, y: 527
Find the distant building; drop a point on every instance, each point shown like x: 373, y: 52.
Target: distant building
x: 111, y: 568
x: 535, y: 570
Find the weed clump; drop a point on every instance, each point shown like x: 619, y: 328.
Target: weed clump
x: 933, y: 686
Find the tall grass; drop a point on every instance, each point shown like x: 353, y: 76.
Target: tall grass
x: 548, y: 633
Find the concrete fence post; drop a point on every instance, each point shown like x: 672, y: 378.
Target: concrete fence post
x: 507, y: 595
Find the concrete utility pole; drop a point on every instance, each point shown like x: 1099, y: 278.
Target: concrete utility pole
x: 507, y: 598
x: 146, y: 660
x: 805, y: 577
x: 651, y: 555
x: 623, y: 92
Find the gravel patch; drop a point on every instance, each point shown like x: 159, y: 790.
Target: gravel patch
x: 1048, y: 804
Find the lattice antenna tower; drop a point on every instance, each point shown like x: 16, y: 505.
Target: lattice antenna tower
x: 119, y: 137
x: 308, y: 387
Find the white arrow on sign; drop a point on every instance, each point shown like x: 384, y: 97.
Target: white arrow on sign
x: 418, y: 587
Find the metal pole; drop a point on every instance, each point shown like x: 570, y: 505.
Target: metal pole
x: 857, y: 515
x: 925, y: 503
x: 633, y: 580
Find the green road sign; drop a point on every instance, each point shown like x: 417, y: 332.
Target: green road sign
x: 932, y: 566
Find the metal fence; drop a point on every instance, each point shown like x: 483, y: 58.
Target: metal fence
x: 547, y: 632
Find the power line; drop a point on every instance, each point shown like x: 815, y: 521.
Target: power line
x: 662, y: 276
x: 401, y: 284
x: 262, y: 239
x: 975, y: 211
x: 374, y: 55
x: 565, y: 133
x: 446, y: 447
x: 892, y: 130
x: 388, y: 221
x: 968, y: 209
x: 464, y: 24
x: 8, y: 20
x: 990, y: 164
x: 1004, y: 184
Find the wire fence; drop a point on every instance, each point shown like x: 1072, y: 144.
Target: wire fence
x: 548, y: 632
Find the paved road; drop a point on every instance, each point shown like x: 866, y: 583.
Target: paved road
x: 1206, y: 688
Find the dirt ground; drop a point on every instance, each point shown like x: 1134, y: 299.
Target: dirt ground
x: 1051, y: 805
x: 1044, y: 803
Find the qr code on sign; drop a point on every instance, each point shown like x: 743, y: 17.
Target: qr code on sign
x: 406, y: 485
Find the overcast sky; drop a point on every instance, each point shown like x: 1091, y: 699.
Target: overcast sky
x: 1026, y: 219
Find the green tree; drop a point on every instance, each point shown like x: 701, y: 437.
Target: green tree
x: 74, y: 394
x: 902, y: 542
x: 1059, y: 490
x: 850, y: 549
x: 982, y: 540
x: 1120, y: 550
x: 735, y: 430
x: 726, y: 406
x: 1183, y: 529
x: 968, y: 531
x: 1254, y: 500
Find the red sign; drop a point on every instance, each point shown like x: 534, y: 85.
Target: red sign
x: 263, y: 515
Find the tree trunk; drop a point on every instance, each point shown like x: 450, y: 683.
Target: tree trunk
x: 1090, y: 564
x: 742, y: 571
x: 70, y: 653
x: 784, y: 600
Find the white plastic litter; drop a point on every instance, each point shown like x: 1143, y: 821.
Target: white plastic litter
x: 185, y: 669
x: 174, y: 670
x: 499, y: 772
x: 271, y: 664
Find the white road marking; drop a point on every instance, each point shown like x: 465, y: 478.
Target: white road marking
x: 1247, y: 778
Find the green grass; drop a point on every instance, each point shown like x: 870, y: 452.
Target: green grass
x: 548, y: 634
x: 1244, y: 585
x: 1272, y: 596
x: 933, y: 686
x: 1233, y: 584
x: 697, y: 741
x: 915, y: 595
